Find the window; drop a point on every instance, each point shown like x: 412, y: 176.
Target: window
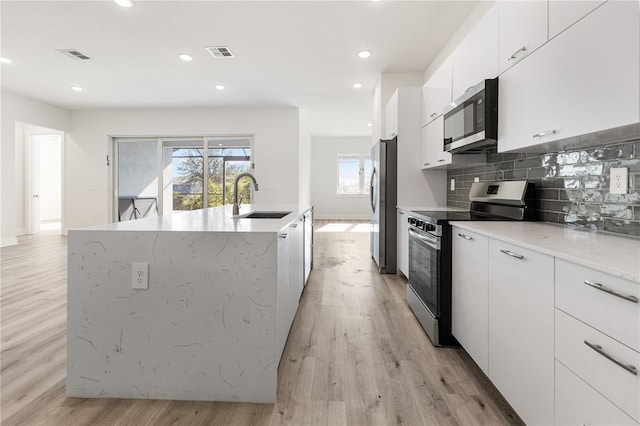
x: 354, y: 174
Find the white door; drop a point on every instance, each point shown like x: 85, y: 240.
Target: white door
x: 34, y: 193
x: 43, y: 208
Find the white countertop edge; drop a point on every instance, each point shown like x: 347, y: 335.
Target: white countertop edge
x: 478, y: 227
x: 214, y: 219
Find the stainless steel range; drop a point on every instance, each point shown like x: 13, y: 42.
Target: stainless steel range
x: 429, y: 286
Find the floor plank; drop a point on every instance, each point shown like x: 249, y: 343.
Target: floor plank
x: 356, y: 354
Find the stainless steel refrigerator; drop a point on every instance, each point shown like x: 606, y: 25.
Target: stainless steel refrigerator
x: 383, y: 193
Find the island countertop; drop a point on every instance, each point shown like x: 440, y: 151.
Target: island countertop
x: 211, y: 322
x: 213, y: 219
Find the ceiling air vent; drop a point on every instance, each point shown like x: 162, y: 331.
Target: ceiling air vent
x: 74, y: 54
x: 220, y: 52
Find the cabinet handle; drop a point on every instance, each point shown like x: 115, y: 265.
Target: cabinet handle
x: 294, y: 225
x: 512, y: 57
x: 600, y: 287
x: 630, y: 368
x: 283, y: 236
x: 442, y: 160
x: 400, y: 212
x: 426, y: 164
x: 433, y: 115
x: 466, y: 237
x: 470, y: 87
x: 512, y: 254
x: 541, y: 134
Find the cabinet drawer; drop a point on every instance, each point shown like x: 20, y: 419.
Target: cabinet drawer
x: 611, y: 314
x: 577, y: 403
x: 618, y: 384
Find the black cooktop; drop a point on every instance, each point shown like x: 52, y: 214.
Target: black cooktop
x: 492, y: 213
x: 442, y: 216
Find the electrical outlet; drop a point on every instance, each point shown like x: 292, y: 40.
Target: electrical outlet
x: 453, y: 184
x: 618, y: 180
x: 140, y: 276
x: 476, y: 179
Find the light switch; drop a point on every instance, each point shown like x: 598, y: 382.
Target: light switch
x: 453, y: 184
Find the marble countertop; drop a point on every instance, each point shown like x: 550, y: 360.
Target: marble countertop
x: 214, y: 219
x: 431, y: 208
x: 619, y: 256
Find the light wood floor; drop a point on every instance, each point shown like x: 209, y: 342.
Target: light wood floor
x: 355, y: 355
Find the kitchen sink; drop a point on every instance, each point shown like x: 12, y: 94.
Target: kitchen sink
x: 264, y: 215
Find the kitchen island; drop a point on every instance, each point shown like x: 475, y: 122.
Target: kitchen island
x: 212, y: 324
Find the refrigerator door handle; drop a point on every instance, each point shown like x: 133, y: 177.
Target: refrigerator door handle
x: 371, y: 194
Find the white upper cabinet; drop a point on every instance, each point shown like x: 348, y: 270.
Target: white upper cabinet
x: 433, y: 153
x: 476, y: 57
x: 584, y: 80
x: 523, y: 28
x: 563, y: 13
x: 436, y: 93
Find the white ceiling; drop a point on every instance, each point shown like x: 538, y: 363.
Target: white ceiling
x: 293, y: 53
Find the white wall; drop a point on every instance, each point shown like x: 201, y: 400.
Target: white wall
x: 17, y: 110
x: 304, y: 186
x: 324, y: 178
x: 275, y: 132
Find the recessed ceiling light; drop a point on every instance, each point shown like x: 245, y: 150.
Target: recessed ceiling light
x: 357, y: 85
x: 76, y: 88
x: 219, y: 87
x: 5, y: 61
x: 364, y: 54
x: 123, y: 3
x: 185, y: 57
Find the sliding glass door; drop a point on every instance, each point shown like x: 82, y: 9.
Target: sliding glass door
x: 177, y: 174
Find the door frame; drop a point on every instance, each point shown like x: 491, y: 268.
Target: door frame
x: 29, y: 132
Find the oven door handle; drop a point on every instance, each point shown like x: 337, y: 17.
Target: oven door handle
x: 433, y: 243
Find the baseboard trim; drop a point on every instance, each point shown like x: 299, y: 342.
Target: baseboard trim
x: 6, y: 242
x: 21, y: 231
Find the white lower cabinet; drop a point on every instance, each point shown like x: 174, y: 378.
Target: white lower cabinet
x: 290, y: 278
x: 557, y: 339
x: 607, y: 365
x: 470, y: 294
x: 521, y: 309
x: 577, y: 403
x: 597, y: 338
x: 403, y: 243
x: 284, y: 292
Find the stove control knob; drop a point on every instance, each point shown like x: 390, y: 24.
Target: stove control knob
x: 418, y: 223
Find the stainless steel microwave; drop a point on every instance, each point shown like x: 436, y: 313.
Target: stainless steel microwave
x: 471, y: 121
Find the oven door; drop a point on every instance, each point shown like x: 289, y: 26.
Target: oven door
x: 424, y: 268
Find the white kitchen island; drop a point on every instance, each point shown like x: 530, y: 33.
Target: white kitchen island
x: 221, y: 297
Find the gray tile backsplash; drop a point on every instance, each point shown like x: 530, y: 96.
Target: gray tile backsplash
x: 572, y: 187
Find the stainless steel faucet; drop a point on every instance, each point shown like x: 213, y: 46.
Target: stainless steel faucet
x: 236, y: 203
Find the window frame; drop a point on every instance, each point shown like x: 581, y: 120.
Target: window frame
x: 363, y: 186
